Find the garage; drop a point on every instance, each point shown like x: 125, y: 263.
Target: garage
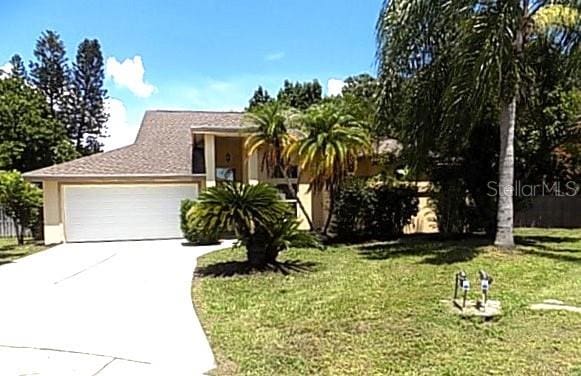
x: 123, y: 212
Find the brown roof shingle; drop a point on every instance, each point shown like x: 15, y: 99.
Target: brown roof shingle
x: 162, y: 148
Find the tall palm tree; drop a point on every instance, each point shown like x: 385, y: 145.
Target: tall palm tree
x: 269, y: 131
x: 471, y: 53
x: 331, y: 145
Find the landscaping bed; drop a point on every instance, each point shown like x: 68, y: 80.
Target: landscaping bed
x: 376, y: 309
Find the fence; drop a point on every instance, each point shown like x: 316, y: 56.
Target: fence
x: 550, y: 211
x: 7, y: 227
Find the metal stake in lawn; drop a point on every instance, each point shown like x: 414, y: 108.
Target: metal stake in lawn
x: 485, y: 282
x: 463, y: 283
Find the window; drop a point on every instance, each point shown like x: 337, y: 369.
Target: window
x: 198, y: 155
x: 225, y: 174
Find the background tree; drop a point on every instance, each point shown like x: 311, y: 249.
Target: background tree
x: 331, y: 145
x: 18, y: 69
x: 467, y: 58
x: 260, y: 97
x: 50, y: 73
x: 85, y: 110
x: 360, y: 96
x: 300, y: 95
x: 30, y: 137
x: 21, y: 201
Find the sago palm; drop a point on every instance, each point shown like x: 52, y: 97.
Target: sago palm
x: 269, y: 131
x: 471, y: 53
x: 261, y: 221
x: 332, y: 143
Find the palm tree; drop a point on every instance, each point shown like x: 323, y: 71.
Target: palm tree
x: 465, y: 55
x: 261, y: 221
x: 268, y: 128
x: 331, y: 145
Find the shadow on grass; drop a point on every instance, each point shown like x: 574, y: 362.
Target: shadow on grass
x: 548, y: 243
x: 232, y: 268
x: 551, y: 247
x: 436, y: 250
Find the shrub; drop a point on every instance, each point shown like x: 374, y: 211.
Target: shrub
x: 193, y: 234
x: 377, y: 211
x: 21, y: 201
x: 261, y: 221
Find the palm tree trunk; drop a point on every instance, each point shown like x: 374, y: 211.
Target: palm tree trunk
x: 331, y: 209
x: 504, y: 227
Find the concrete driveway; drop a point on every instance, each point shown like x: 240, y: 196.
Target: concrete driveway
x: 116, y: 308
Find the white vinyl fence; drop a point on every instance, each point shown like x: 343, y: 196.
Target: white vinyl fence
x: 7, y: 227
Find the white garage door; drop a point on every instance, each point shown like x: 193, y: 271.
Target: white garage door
x: 124, y: 212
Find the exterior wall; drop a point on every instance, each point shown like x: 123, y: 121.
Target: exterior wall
x: 305, y: 196
x: 54, y: 232
x: 232, y: 146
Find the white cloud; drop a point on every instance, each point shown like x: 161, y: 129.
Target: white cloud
x: 5, y: 70
x: 129, y: 74
x: 334, y: 87
x: 273, y: 56
x: 120, y: 132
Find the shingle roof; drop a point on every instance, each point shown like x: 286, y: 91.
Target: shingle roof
x: 162, y: 148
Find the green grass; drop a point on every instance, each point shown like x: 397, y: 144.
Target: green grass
x: 372, y: 310
x: 10, y: 250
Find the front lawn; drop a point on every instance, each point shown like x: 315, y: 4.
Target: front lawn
x: 10, y: 250
x: 376, y: 309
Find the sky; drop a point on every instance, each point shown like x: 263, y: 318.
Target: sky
x: 199, y: 54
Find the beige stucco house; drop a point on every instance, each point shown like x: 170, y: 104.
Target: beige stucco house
x: 134, y: 192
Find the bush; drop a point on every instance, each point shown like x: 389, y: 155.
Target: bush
x: 377, y: 211
x: 261, y: 221
x: 193, y: 234
x: 21, y: 200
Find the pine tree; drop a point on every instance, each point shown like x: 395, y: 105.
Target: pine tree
x: 86, y: 115
x: 300, y: 95
x: 18, y: 69
x: 50, y: 72
x: 260, y: 97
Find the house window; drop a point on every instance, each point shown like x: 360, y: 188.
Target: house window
x: 198, y: 155
x: 225, y: 174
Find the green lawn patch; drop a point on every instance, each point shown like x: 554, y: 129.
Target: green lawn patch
x: 10, y: 250
x: 375, y: 309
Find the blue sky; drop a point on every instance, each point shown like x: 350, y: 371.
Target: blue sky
x: 199, y: 54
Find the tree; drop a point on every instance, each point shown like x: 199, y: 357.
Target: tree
x: 261, y: 221
x: 50, y: 73
x: 359, y: 96
x: 300, y: 95
x: 260, y: 97
x: 21, y: 201
x: 467, y: 57
x: 85, y: 109
x: 332, y: 143
x: 29, y: 137
x: 18, y: 69
x: 269, y: 131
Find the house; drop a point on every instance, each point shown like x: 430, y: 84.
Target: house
x: 134, y: 192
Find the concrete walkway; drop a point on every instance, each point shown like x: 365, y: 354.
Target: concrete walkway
x: 117, y: 308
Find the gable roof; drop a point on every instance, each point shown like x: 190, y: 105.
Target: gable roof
x: 163, y: 147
